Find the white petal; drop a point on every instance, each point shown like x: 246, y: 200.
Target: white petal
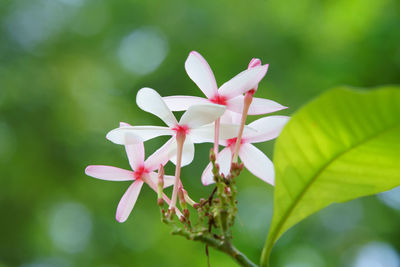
x: 224, y: 160
x: 226, y: 117
x: 200, y: 72
x: 136, y: 134
x: 128, y: 201
x: 149, y: 100
x: 205, y: 134
x: 258, y: 105
x: 187, y: 153
x: 228, y: 131
x: 267, y: 128
x: 199, y: 115
x: 109, y: 173
x: 257, y: 163
x: 183, y: 102
x: 168, y: 180
x: 243, y: 82
x: 207, y: 176
x: 160, y: 156
x: 231, y: 117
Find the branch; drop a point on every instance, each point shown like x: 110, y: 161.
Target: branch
x: 223, y: 246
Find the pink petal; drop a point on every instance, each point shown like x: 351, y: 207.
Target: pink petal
x: 149, y: 100
x: 128, y: 201
x: 243, y: 82
x: 183, y: 102
x: 187, y: 153
x: 257, y: 163
x: 135, y: 153
x: 199, y: 115
x: 160, y: 157
x: 201, y: 74
x: 254, y: 62
x: 224, y: 160
x: 136, y: 134
x: 109, y: 173
x: 267, y: 128
x: 258, y: 105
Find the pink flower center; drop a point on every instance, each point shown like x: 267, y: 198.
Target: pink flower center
x: 251, y: 92
x: 232, y: 142
x: 140, y: 172
x: 219, y: 99
x: 181, y: 129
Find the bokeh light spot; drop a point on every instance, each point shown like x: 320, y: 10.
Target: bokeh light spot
x: 377, y: 254
x: 31, y: 23
x: 70, y: 227
x: 391, y: 198
x: 143, y: 50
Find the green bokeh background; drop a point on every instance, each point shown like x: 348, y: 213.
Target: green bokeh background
x: 63, y: 86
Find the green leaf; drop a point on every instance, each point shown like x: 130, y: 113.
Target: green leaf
x: 343, y: 145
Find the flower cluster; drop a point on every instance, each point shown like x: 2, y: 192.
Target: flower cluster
x: 218, y: 118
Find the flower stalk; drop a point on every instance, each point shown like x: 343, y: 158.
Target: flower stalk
x: 180, y: 140
x: 216, y: 136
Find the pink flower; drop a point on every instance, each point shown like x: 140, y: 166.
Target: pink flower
x: 230, y: 94
x: 143, y: 172
x: 253, y: 159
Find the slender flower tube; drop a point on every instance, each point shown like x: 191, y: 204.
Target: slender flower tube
x: 180, y: 140
x: 247, y: 102
x: 253, y: 159
x: 143, y: 172
x: 248, y: 99
x: 216, y: 135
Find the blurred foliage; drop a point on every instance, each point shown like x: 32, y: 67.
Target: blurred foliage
x: 67, y: 76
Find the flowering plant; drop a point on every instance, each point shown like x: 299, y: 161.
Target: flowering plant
x: 220, y: 119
